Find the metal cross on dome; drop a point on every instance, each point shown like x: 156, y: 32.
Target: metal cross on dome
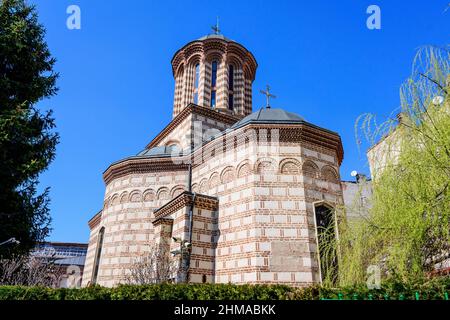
x: 268, y: 96
x: 216, y: 28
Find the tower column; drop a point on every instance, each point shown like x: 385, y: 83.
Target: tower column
x: 222, y: 85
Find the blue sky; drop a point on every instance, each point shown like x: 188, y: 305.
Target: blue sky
x: 116, y: 86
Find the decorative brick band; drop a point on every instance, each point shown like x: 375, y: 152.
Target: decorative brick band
x: 303, y: 132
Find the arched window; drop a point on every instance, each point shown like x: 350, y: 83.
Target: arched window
x: 98, y: 254
x: 326, y: 239
x: 196, y: 82
x: 213, y: 83
x: 230, y: 87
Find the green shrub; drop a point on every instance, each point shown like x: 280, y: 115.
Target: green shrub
x: 435, y: 289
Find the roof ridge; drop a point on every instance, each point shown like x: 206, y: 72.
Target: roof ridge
x: 259, y: 113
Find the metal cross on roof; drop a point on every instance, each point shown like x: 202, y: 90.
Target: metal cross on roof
x: 268, y: 96
x: 216, y: 28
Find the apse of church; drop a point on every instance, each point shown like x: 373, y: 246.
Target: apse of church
x: 248, y: 207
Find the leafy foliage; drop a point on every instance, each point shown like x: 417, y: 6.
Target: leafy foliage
x: 437, y: 289
x: 27, y: 140
x: 407, y: 232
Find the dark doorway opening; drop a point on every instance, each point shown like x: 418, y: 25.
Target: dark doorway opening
x: 327, y: 244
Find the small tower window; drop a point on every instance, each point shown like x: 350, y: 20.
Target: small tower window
x: 213, y: 98
x: 230, y: 101
x: 230, y: 77
x: 196, y: 82
x: 213, y: 83
x: 213, y: 73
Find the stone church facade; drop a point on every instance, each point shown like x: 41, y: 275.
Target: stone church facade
x: 245, y: 188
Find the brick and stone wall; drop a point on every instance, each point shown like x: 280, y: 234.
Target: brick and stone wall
x: 127, y: 218
x: 204, y: 232
x: 266, y: 198
x: 194, y: 125
x: 267, y: 179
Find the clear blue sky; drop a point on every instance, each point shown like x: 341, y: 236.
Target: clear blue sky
x: 116, y: 86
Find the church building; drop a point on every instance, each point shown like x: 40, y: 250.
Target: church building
x: 248, y: 189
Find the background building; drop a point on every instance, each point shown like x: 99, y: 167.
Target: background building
x: 68, y: 259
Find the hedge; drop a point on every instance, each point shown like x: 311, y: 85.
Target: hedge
x: 436, y: 289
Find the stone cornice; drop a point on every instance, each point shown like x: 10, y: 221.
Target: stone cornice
x: 141, y: 165
x: 95, y: 220
x: 166, y: 221
x: 299, y: 132
x: 185, y: 199
x: 191, y: 109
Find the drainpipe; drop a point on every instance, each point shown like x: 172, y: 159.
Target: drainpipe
x: 191, y: 211
x: 191, y: 221
x: 191, y: 224
x: 190, y: 178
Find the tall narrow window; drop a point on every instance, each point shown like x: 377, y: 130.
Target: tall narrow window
x: 196, y: 82
x: 230, y: 87
x: 230, y: 77
x: 213, y: 83
x: 213, y: 98
x: 98, y: 254
x: 213, y: 74
x: 230, y: 101
x: 326, y: 237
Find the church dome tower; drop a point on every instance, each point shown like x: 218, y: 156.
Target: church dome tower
x: 214, y: 72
